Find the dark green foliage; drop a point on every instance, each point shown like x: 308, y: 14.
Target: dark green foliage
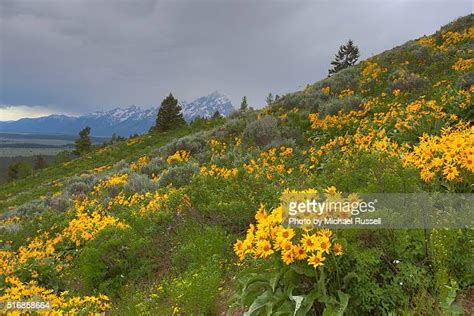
x: 113, y: 258
x: 270, y: 99
x: 19, y: 170
x: 169, y: 115
x: 83, y: 143
x: 216, y: 115
x: 40, y: 162
x: 198, y: 245
x: 347, y: 56
x: 244, y: 105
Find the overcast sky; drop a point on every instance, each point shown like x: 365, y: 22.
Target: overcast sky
x: 78, y: 56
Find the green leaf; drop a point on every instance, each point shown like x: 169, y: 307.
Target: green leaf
x: 259, y: 302
x: 304, y: 270
x: 298, y: 299
x: 348, y: 278
x: 309, y: 301
x: 274, y: 280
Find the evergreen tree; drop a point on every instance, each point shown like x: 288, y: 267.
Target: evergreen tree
x: 169, y: 115
x: 216, y: 115
x: 40, y: 162
x: 83, y: 143
x: 18, y: 170
x: 270, y: 99
x: 244, y: 105
x: 347, y: 56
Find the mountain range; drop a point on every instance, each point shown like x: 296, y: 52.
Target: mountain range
x: 121, y: 121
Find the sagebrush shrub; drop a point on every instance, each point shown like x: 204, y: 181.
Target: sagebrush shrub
x: 192, y: 143
x: 334, y: 105
x: 407, y: 81
x: 262, y: 132
x: 59, y: 204
x: 313, y: 100
x: 32, y: 208
x: 140, y: 183
x: 344, y: 79
x: 231, y: 128
x: 286, y: 142
x: 122, y: 164
x: 81, y: 184
x: 154, y: 167
x: 465, y: 81
x: 178, y: 175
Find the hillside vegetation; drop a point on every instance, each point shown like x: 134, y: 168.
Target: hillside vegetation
x: 188, y: 221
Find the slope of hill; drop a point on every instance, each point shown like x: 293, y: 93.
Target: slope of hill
x: 189, y: 222
x: 123, y: 122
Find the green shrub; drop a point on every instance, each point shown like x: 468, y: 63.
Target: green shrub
x: 344, y: 79
x: 112, y: 258
x: 230, y: 129
x: 262, y: 132
x: 19, y: 170
x: 178, y: 175
x: 196, y: 245
x: 196, y: 291
x: 232, y: 202
x: 315, y: 99
x: 368, y: 172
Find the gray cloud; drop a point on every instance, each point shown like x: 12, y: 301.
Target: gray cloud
x: 80, y: 56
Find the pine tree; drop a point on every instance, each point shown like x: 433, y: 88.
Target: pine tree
x: 18, y: 170
x: 347, y: 56
x: 169, y: 115
x: 216, y: 115
x: 244, y: 105
x: 40, y: 162
x: 270, y: 99
x: 83, y: 143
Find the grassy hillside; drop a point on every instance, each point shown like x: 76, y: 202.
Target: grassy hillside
x: 188, y: 222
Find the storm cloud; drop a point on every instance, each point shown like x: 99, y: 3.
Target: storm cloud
x: 79, y: 56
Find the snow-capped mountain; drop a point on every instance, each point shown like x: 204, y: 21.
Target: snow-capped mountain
x: 121, y: 121
x: 206, y: 106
